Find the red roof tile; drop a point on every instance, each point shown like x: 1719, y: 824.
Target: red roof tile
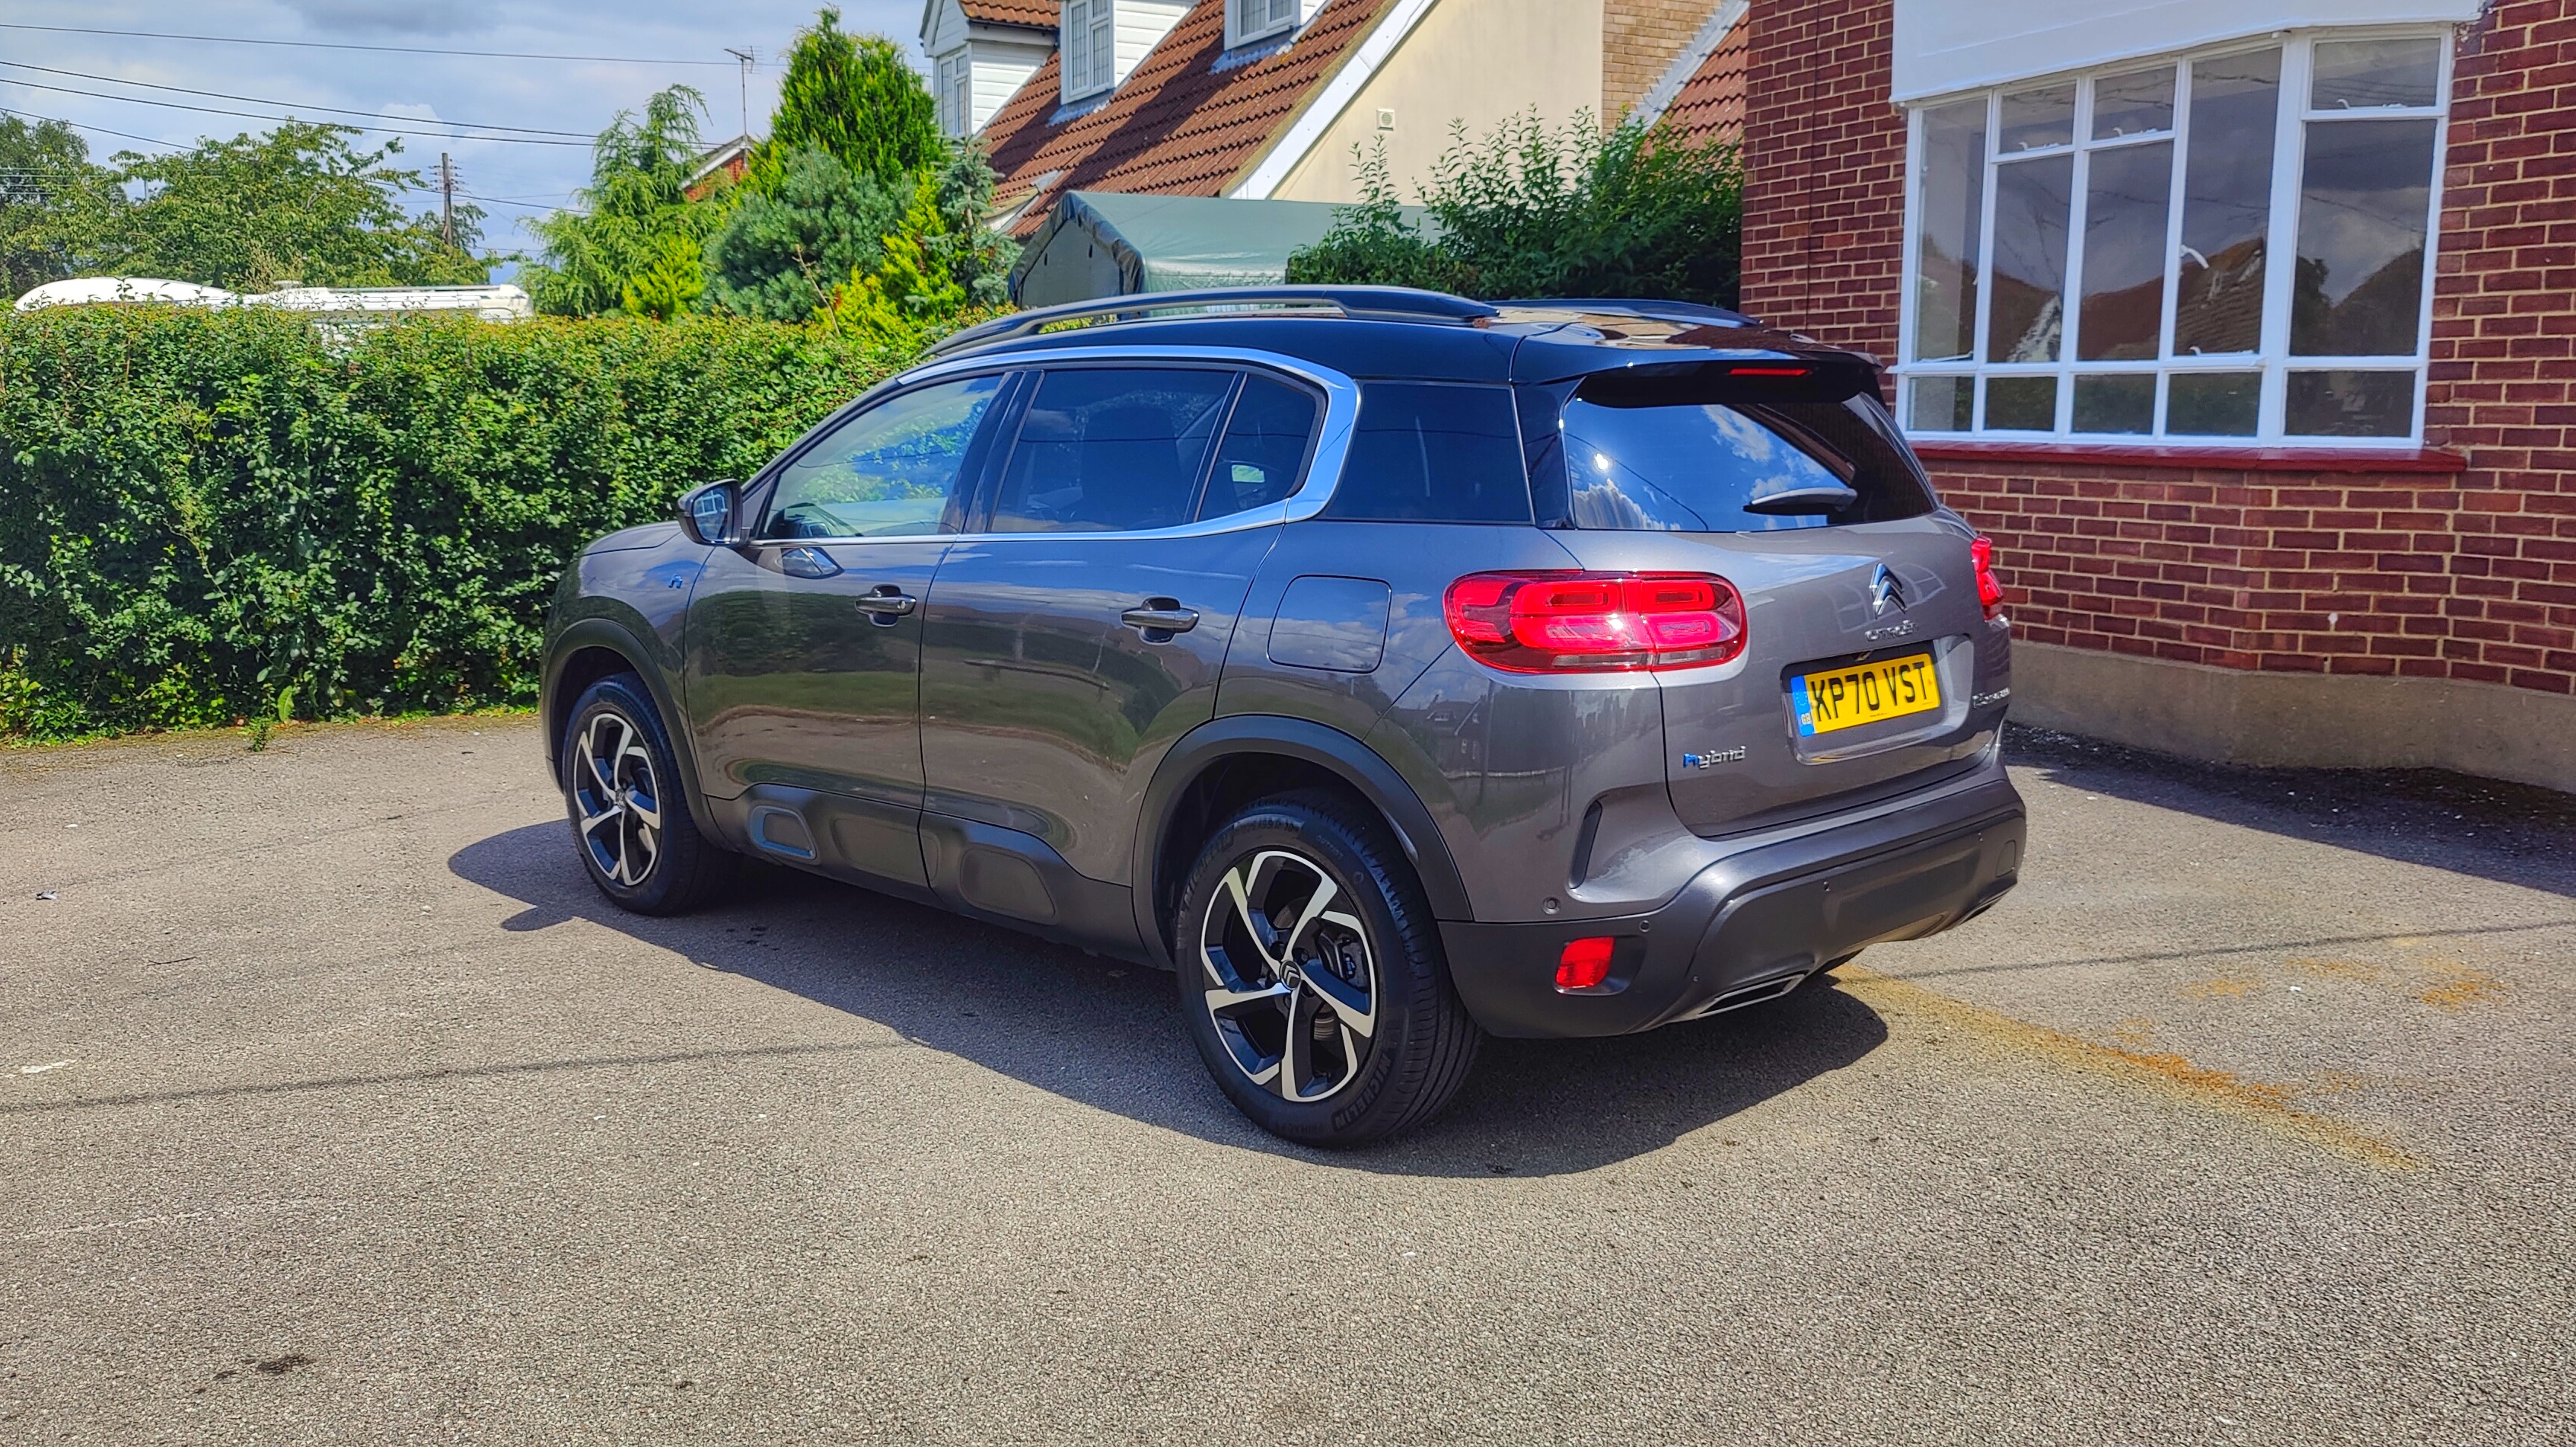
x: 1710, y: 106
x: 1039, y: 13
x: 1179, y: 126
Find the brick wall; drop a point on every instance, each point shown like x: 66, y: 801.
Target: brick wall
x: 2465, y: 573
x: 2503, y: 384
x: 1640, y: 39
x: 1824, y: 154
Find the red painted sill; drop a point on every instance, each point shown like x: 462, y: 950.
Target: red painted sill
x: 2150, y: 454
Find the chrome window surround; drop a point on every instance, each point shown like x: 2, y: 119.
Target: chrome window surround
x: 1323, y: 474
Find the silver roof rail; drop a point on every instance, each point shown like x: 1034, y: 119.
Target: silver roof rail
x: 1365, y: 303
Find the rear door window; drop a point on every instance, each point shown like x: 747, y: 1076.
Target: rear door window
x: 1263, y: 456
x: 1722, y: 467
x: 1429, y: 452
x: 1111, y: 450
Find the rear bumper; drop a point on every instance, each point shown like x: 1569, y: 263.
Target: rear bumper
x: 1753, y: 923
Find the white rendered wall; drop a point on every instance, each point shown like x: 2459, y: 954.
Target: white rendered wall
x: 1140, y: 25
x: 1000, y: 68
x: 1953, y: 45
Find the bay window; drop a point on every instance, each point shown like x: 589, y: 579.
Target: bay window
x: 2229, y: 246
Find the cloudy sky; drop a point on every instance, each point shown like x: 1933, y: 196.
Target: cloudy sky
x: 397, y: 89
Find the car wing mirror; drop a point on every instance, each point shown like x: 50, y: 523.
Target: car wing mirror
x: 712, y: 515
x: 1804, y: 501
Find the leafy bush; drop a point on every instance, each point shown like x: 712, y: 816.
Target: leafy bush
x: 1533, y: 211
x: 297, y: 204
x: 789, y: 245
x: 203, y: 514
x: 858, y: 98
x: 635, y: 244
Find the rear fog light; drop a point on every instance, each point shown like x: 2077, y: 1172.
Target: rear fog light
x: 1584, y: 964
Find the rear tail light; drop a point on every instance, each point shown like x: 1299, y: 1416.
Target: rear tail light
x: 1990, y: 591
x: 1584, y: 964
x: 1569, y: 622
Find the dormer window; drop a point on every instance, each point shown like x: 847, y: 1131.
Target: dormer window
x: 1250, y: 20
x: 1090, y: 47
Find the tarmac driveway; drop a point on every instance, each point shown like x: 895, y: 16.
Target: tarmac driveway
x: 334, y: 1106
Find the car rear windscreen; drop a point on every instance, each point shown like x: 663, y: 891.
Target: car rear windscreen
x: 1731, y: 467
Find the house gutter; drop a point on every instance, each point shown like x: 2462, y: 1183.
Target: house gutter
x: 1319, y: 115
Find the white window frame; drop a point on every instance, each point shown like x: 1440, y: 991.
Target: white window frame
x: 956, y: 77
x: 2274, y: 359
x: 1240, y: 31
x: 1089, y: 47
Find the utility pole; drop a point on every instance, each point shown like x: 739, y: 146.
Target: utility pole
x: 746, y: 56
x: 447, y: 200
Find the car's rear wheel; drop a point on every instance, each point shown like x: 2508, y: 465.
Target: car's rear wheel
x: 1312, y: 978
x: 630, y: 820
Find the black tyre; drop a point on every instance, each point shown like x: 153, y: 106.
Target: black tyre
x: 1312, y: 979
x: 630, y: 819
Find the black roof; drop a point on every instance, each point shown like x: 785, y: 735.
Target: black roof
x: 1418, y: 335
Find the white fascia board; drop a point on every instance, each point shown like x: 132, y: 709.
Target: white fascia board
x: 1944, y: 46
x: 1328, y: 104
x: 1711, y: 35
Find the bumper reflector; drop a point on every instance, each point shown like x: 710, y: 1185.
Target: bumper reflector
x: 1584, y: 964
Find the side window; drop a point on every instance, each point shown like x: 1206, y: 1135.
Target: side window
x: 1111, y: 450
x: 1264, y: 452
x: 1424, y: 452
x: 887, y: 472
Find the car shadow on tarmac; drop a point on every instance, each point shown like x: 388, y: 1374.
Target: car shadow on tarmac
x: 1106, y: 1032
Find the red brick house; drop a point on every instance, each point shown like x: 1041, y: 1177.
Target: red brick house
x: 2246, y: 327
x: 2156, y: 289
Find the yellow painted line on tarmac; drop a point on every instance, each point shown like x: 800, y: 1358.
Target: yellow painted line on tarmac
x: 2175, y: 1077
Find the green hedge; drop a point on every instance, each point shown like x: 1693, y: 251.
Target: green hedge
x: 212, y: 515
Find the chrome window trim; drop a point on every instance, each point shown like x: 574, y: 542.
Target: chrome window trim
x: 1323, y: 475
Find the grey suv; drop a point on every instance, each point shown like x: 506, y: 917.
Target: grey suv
x: 1394, y: 668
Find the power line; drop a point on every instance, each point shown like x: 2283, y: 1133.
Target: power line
x: 260, y: 116
x: 86, y: 126
x: 347, y: 45
x: 259, y: 101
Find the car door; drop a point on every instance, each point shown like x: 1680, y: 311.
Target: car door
x: 803, y: 646
x: 1081, y: 629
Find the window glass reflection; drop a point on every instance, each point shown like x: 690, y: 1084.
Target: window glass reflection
x: 1952, y: 185
x: 2036, y: 118
x: 2352, y: 404
x: 2133, y: 104
x: 2227, y: 203
x: 2029, y: 309
x: 2364, y: 204
x: 2124, y: 253
x: 2376, y: 74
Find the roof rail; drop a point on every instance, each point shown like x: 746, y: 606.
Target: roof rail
x: 1367, y: 303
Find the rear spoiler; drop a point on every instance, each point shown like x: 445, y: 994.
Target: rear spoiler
x: 1833, y: 377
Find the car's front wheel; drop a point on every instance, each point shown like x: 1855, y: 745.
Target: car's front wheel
x: 630, y: 820
x: 1312, y: 978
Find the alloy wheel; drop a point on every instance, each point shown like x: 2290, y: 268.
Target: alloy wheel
x: 1291, y: 982
x: 618, y: 798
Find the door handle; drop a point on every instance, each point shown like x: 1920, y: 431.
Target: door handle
x: 887, y: 604
x: 1164, y: 616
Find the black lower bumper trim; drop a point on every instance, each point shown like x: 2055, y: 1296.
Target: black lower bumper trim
x: 1753, y: 920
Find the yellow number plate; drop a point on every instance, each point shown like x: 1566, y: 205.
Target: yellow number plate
x: 1846, y: 697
